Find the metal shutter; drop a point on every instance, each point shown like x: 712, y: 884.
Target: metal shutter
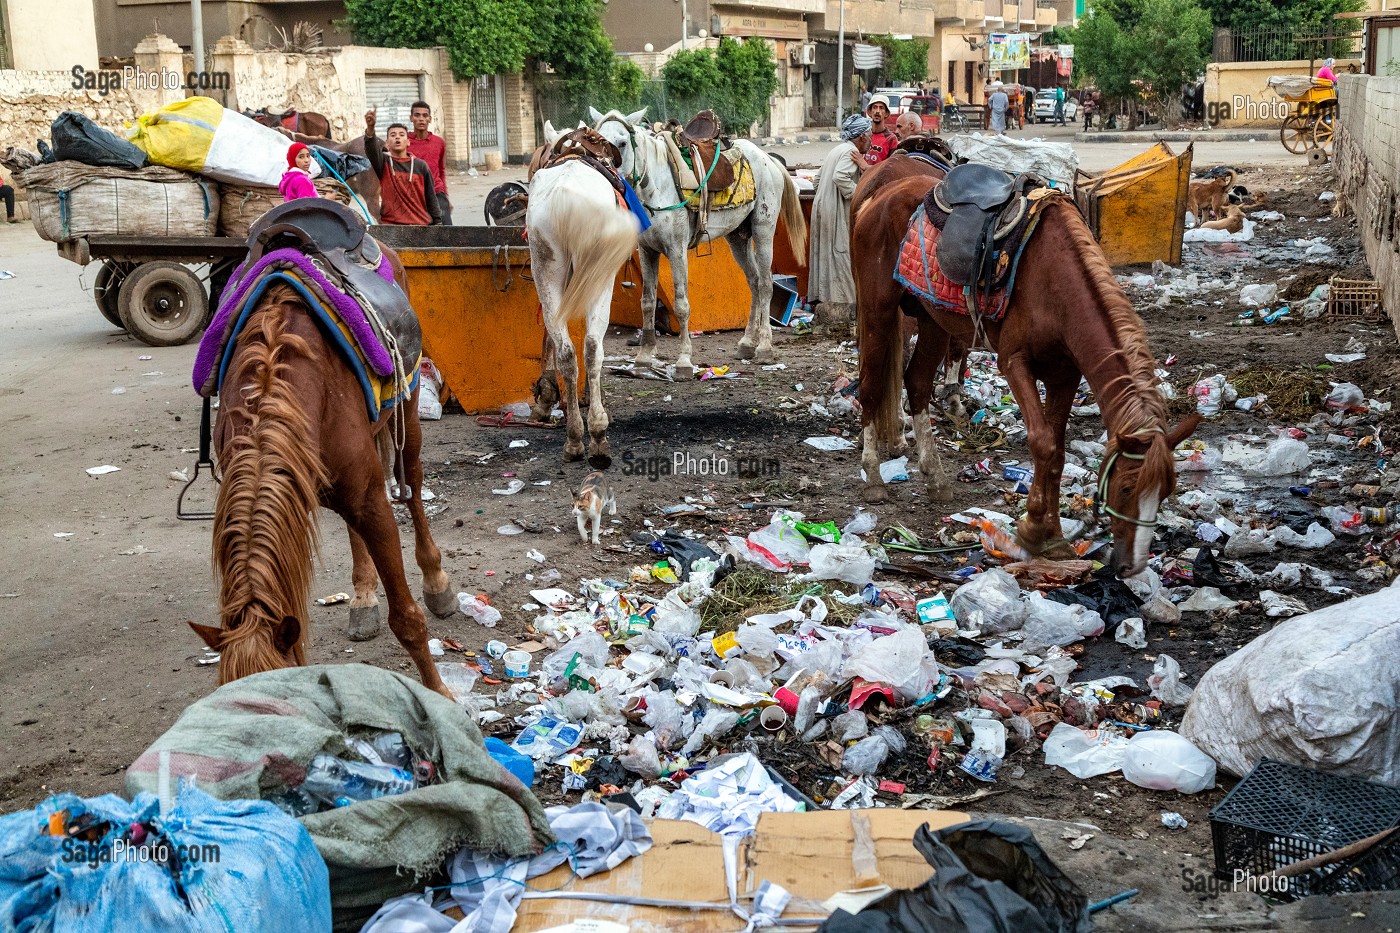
x: 393, y: 95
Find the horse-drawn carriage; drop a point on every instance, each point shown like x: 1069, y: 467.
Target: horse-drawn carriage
x: 1311, y: 124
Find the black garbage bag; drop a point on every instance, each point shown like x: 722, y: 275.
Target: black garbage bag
x: 345, y: 164
x: 989, y: 877
x: 78, y: 139
x: 1108, y: 596
x: 687, y: 551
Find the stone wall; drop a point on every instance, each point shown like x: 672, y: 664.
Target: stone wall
x: 1368, y: 174
x: 1238, y: 93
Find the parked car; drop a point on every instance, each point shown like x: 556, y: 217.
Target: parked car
x: 1045, y: 106
x: 930, y: 109
x: 896, y: 97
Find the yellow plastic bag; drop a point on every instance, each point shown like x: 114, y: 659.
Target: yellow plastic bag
x: 198, y: 134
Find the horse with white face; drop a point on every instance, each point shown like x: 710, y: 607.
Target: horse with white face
x: 749, y: 229
x: 579, y: 237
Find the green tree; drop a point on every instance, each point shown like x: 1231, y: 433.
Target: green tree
x: 1166, y: 46
x: 906, y: 60
x: 736, y: 80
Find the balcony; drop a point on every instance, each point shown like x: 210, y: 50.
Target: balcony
x: 993, y: 12
x: 1009, y: 13
x: 961, y: 12
x: 1047, y: 16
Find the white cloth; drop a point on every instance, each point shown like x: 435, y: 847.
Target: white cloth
x: 830, y: 277
x: 728, y: 798
x: 488, y: 890
x: 999, y: 103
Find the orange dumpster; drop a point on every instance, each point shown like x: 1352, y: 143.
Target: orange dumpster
x: 1137, y: 211
x: 719, y: 293
x: 479, y: 312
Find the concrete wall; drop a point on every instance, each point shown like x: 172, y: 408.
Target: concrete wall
x: 51, y: 35
x: 1241, y: 90
x: 1367, y: 161
x: 631, y: 24
x: 122, y: 23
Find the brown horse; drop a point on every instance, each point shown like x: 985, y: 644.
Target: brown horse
x: 307, y: 121
x: 293, y: 434
x: 1068, y: 317
x: 365, y: 184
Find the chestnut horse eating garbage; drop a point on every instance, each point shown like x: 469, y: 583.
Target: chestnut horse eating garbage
x: 1067, y: 317
x: 293, y: 434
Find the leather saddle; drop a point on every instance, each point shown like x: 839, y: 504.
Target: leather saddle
x: 583, y: 143
x: 928, y: 145
x: 977, y: 207
x: 701, y: 138
x: 338, y: 240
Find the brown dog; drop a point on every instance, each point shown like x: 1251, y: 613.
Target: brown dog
x: 1233, y: 221
x: 1211, y: 194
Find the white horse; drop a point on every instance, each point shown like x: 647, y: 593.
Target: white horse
x: 749, y: 228
x: 579, y: 237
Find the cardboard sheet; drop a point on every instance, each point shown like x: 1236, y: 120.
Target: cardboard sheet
x: 813, y: 855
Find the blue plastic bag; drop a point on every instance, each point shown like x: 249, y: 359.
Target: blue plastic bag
x: 514, y: 762
x: 209, y: 865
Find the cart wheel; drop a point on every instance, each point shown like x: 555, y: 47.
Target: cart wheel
x: 1295, y: 134
x: 163, y: 304
x: 1324, y: 127
x: 106, y: 288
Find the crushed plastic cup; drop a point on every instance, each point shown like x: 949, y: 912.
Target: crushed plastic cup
x: 517, y: 664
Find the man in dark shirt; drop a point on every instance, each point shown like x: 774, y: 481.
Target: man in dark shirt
x: 431, y: 149
x: 406, y: 193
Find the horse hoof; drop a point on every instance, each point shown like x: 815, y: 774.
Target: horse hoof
x: 939, y: 492
x: 364, y: 623
x: 745, y: 350
x: 644, y: 360
x: 441, y: 604
x: 572, y: 452
x: 599, y: 461
x: 1059, y: 549
x: 686, y: 369
x: 764, y: 356
x: 874, y: 494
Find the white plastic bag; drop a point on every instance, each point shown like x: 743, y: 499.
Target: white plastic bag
x: 1344, y: 395
x: 1165, y: 681
x: 429, y: 391
x: 1050, y: 623
x: 782, y: 539
x: 1319, y: 690
x: 866, y: 756
x: 1254, y: 296
x: 1161, y: 760
x: 1283, y: 457
x: 482, y: 612
x: 848, y: 561
x: 897, y: 660
x: 990, y: 602
x: 1131, y: 633
x: 1085, y: 753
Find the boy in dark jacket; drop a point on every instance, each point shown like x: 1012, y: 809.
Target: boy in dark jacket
x: 406, y: 193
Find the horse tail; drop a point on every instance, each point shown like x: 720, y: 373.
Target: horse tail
x: 598, y: 243
x: 794, y: 221
x: 265, y: 532
x: 888, y: 371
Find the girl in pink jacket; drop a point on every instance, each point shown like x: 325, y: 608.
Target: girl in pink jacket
x: 296, y: 183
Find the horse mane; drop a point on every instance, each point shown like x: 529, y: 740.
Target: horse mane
x: 1139, y: 410
x: 265, y: 531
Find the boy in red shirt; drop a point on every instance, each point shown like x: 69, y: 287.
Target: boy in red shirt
x: 431, y: 149
x: 406, y: 193
x: 882, y: 138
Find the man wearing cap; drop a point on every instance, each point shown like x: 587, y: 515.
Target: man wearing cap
x: 830, y: 285
x: 882, y: 140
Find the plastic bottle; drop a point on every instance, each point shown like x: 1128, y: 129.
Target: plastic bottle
x: 393, y: 750
x: 329, y: 778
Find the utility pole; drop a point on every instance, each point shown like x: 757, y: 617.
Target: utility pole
x: 840, y: 66
x: 685, y: 27
x: 197, y: 28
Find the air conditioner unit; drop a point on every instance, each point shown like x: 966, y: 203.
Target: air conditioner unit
x: 809, y: 53
x: 795, y: 54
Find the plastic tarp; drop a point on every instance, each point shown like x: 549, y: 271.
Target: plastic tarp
x: 989, y: 877
x: 253, y: 738
x: 1320, y: 691
x: 244, y: 866
x: 78, y: 139
x: 1055, y: 162
x: 198, y: 134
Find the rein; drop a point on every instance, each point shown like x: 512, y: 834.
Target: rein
x: 638, y: 179
x: 1105, y: 475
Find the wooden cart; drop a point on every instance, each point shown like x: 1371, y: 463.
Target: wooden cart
x: 1312, y: 123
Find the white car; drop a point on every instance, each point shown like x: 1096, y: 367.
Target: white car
x: 1045, y: 106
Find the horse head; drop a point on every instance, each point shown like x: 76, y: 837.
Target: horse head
x: 625, y: 132
x: 255, y: 646
x: 1137, y: 473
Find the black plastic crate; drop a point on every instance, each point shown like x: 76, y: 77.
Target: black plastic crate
x: 1281, y: 814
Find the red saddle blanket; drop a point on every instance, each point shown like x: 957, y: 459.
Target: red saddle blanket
x: 917, y: 268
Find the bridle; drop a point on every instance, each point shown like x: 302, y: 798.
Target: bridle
x: 637, y: 178
x: 1106, y: 475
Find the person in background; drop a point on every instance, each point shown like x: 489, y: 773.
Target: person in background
x: 882, y: 138
x: 296, y: 181
x: 405, y: 182
x: 7, y: 194
x: 907, y: 126
x: 831, y: 286
x: 1091, y: 106
x: 431, y: 149
x: 1326, y: 73
x: 998, y: 104
x: 1059, y: 106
